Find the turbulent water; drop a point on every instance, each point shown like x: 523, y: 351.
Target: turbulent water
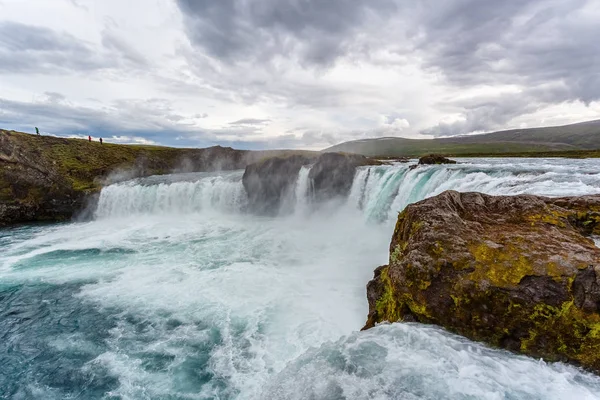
x: 174, y: 291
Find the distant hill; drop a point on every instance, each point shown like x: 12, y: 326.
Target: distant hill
x: 581, y: 136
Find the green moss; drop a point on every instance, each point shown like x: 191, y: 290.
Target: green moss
x: 588, y: 221
x: 416, y: 227
x: 566, y: 331
x: 503, y: 267
x: 437, y: 249
x: 387, y: 307
x: 552, y: 218
x: 392, y: 306
x: 506, y: 266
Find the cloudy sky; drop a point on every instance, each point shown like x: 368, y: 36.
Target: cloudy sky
x: 295, y: 73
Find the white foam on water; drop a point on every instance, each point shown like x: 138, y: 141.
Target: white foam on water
x: 412, y: 361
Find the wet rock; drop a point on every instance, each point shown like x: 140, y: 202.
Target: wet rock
x: 270, y: 181
x: 434, y: 159
x: 333, y: 173
x: 517, y: 272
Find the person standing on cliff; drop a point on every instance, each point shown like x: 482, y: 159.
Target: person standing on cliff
x: 37, y: 131
x: 89, y: 138
x: 100, y: 140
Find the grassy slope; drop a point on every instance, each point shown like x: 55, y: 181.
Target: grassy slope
x: 584, y: 136
x: 82, y: 162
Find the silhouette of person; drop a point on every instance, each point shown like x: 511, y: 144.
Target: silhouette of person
x: 89, y: 138
x: 100, y: 140
x: 37, y: 131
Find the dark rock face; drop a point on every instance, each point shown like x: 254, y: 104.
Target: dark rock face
x: 517, y: 272
x: 269, y: 181
x: 434, y: 159
x: 333, y: 174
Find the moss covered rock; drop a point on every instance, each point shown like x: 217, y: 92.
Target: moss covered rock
x: 516, y: 272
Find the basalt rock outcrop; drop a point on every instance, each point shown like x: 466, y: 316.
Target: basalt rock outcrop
x: 271, y: 182
x: 333, y: 173
x: 44, y: 178
x: 516, y: 272
x: 435, y: 159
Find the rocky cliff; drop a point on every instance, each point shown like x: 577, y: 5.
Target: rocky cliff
x: 270, y: 182
x: 521, y: 273
x: 49, y: 178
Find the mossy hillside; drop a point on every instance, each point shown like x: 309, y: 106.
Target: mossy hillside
x: 515, y: 280
x: 51, y: 178
x: 82, y: 162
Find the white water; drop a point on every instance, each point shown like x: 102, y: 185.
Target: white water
x: 181, y: 194
x: 303, y: 191
x: 383, y: 191
x: 237, y: 306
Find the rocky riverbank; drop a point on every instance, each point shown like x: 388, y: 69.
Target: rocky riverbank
x: 516, y: 272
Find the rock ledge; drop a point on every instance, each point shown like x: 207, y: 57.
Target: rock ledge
x: 517, y: 272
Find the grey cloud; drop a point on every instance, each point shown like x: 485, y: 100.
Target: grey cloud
x: 491, y: 113
x: 152, y: 120
x: 77, y: 4
x: 25, y: 48
x: 34, y: 49
x: 112, y: 41
x: 549, y: 48
x: 53, y: 97
x: 250, y: 121
x: 311, y: 31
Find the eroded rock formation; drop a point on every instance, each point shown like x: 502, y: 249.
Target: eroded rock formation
x: 517, y: 272
x: 271, y: 181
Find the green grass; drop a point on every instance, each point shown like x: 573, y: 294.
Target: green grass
x: 539, y: 154
x: 584, y: 136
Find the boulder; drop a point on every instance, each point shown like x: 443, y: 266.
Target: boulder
x: 516, y: 272
x: 434, y: 159
x: 333, y: 173
x: 270, y: 181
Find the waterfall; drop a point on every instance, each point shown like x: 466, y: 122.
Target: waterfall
x: 379, y: 192
x: 303, y: 191
x: 159, y: 195
x: 383, y: 191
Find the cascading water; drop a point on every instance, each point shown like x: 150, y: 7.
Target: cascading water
x: 189, y: 193
x: 383, y: 191
x: 173, y: 291
x: 303, y: 191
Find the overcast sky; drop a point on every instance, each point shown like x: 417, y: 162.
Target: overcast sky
x: 295, y: 73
